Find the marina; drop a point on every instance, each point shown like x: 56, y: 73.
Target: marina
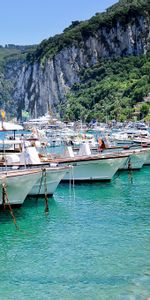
x: 82, y: 222
x: 24, y: 156
x: 75, y: 150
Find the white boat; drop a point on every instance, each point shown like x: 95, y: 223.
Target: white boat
x: 131, y: 136
x: 137, y: 158
x: 87, y: 167
x: 84, y: 138
x: 147, y: 161
x: 29, y: 159
x: 121, y: 138
x: 142, y: 140
x: 15, y: 185
x: 96, y: 168
x: 51, y: 177
x: 7, y: 126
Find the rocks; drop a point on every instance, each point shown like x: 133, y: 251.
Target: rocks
x: 36, y: 87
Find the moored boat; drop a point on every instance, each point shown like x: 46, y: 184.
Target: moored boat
x: 137, y: 158
x: 15, y: 185
x: 147, y: 160
x: 93, y: 167
x: 86, y: 166
x: 51, y: 177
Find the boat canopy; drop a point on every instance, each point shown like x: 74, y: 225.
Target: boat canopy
x: 7, y: 126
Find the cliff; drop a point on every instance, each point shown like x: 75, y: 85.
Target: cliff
x: 44, y: 78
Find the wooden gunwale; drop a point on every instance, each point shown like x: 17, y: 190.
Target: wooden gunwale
x: 87, y: 158
x: 18, y: 172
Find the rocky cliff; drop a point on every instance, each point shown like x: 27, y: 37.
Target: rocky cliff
x: 38, y: 86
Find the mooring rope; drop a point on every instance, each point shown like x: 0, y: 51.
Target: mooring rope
x: 6, y: 202
x: 40, y: 186
x: 70, y: 185
x: 130, y: 170
x: 45, y: 192
x: 73, y: 182
x: 43, y: 181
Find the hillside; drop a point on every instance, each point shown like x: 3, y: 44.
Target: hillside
x: 78, y: 32
x: 97, y: 68
x: 111, y: 90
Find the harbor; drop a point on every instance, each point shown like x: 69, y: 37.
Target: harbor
x: 75, y: 150
x: 81, y: 225
x: 30, y: 168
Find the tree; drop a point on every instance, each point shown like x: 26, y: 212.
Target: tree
x: 144, y: 110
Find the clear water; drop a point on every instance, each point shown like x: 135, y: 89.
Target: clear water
x: 93, y: 246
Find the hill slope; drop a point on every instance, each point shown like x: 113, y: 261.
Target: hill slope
x: 96, y: 68
x: 124, y: 12
x: 111, y: 90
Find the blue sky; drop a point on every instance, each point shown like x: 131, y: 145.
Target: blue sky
x: 26, y: 22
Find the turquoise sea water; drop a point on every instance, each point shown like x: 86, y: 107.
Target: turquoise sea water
x: 94, y: 243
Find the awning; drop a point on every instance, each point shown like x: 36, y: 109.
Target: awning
x: 9, y: 126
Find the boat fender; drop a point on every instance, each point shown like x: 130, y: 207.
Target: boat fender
x: 53, y: 164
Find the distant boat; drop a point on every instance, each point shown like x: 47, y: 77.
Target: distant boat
x: 8, y: 126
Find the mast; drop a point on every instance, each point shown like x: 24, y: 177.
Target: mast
x: 3, y: 114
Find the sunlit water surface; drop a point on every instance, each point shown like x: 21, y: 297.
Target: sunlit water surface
x: 94, y: 243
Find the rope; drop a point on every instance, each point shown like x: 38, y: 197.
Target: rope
x: 45, y: 189
x: 6, y: 202
x: 70, y: 185
x: 73, y: 183
x: 130, y: 170
x: 118, y: 173
x: 40, y: 186
x: 43, y: 178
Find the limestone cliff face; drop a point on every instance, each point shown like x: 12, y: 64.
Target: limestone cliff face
x: 37, y: 87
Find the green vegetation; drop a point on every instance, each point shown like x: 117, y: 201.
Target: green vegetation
x: 13, y: 52
x: 78, y: 32
x: 112, y: 89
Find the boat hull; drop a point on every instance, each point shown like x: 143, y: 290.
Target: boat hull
x: 147, y: 161
x: 136, y: 161
x: 49, y: 184
x: 17, y: 186
x: 94, y: 170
